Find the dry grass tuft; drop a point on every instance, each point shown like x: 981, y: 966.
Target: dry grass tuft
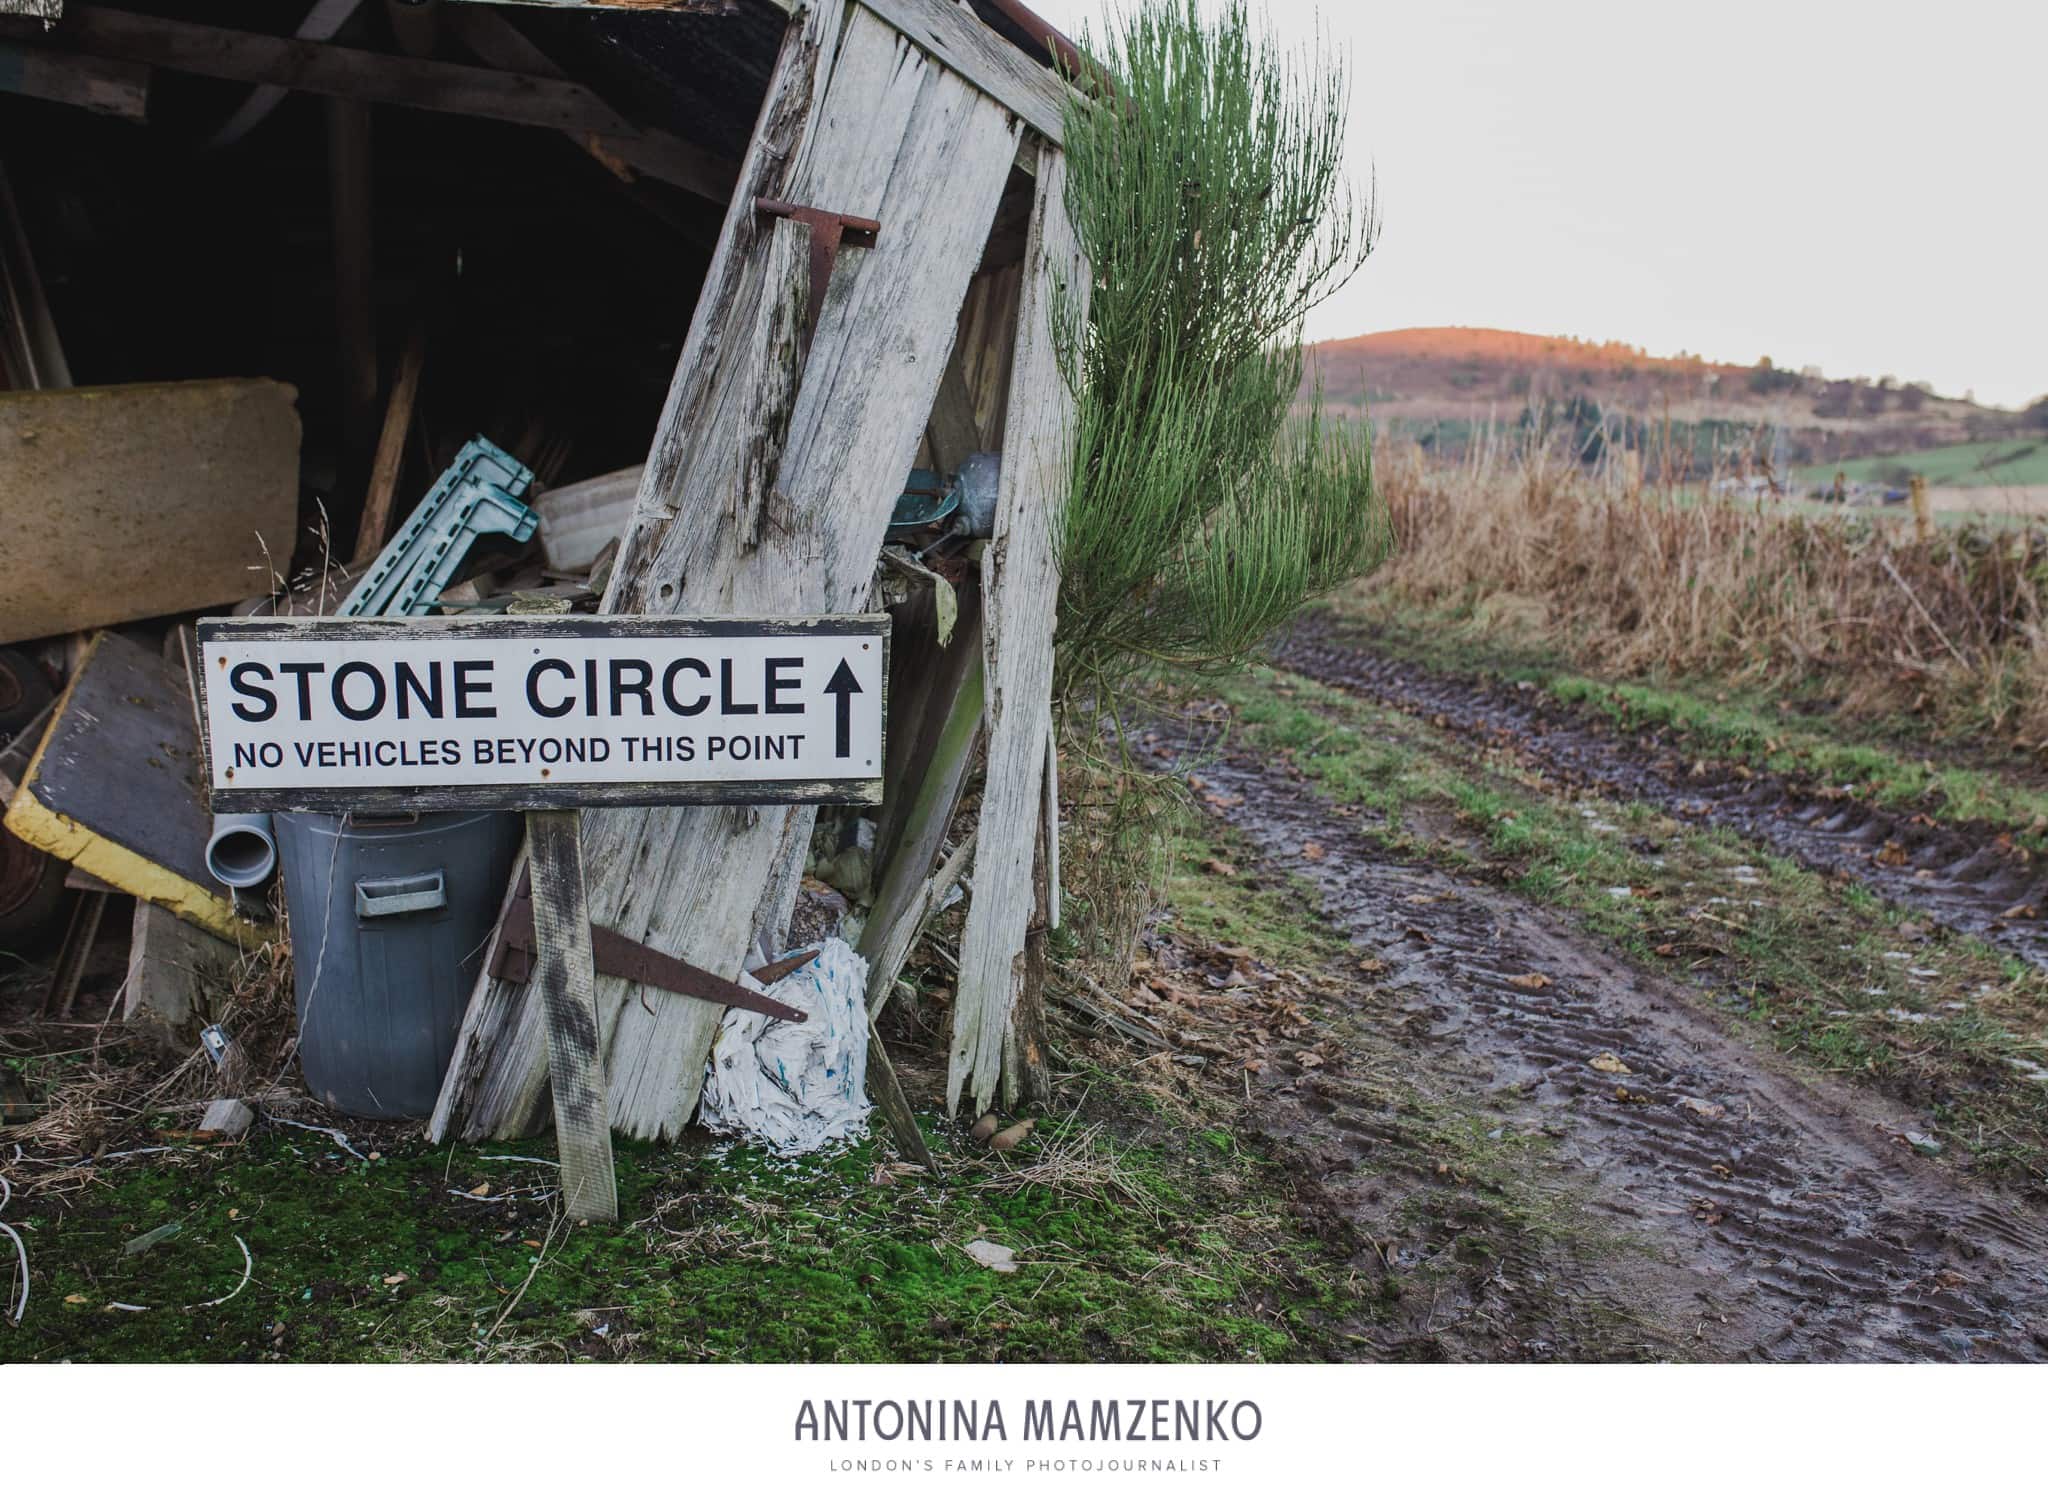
x: 1080, y: 1164
x: 1641, y: 578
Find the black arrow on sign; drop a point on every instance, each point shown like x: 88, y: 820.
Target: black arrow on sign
x: 845, y: 686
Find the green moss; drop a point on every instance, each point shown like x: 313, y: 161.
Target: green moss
x: 736, y: 1255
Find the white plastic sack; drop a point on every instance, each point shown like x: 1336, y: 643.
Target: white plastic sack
x: 795, y: 1088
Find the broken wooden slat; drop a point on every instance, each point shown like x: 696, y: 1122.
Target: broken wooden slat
x: 770, y: 482
x: 886, y: 1091
x: 1020, y: 581
x: 892, y: 935
x: 928, y: 680
x: 95, y: 84
x: 139, y: 501
x: 566, y: 978
x: 928, y: 793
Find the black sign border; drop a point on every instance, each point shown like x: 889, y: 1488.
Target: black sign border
x: 401, y: 799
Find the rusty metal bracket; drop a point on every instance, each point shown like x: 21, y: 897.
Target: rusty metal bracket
x: 617, y: 956
x: 829, y: 232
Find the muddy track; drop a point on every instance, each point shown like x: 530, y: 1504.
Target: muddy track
x: 1753, y: 1216
x: 1971, y: 879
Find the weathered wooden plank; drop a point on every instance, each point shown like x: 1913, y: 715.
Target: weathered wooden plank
x: 1020, y: 582
x: 929, y: 796
x: 888, y: 936
x: 953, y: 35
x: 768, y: 487
x: 566, y: 979
x: 383, y: 487
x: 95, y: 84
x: 172, y: 966
x: 139, y: 501
x: 885, y: 1090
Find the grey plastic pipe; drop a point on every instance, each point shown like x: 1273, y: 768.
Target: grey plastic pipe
x: 242, y: 852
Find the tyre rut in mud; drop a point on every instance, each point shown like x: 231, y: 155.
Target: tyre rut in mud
x: 1783, y: 1220
x: 1973, y: 880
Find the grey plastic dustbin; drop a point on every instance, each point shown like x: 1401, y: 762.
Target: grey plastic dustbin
x: 389, y: 919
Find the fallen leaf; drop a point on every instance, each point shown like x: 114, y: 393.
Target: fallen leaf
x: 1220, y: 868
x: 1308, y: 1060
x: 75, y: 1299
x: 481, y: 1189
x: 396, y: 1280
x: 1608, y: 1061
x: 2021, y: 912
x: 1529, y: 980
x: 531, y: 1243
x: 1702, y: 1107
x: 1313, y: 851
x: 1371, y: 966
x: 997, y: 1257
x: 1667, y: 949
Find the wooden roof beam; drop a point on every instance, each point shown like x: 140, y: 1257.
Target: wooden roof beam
x: 380, y: 78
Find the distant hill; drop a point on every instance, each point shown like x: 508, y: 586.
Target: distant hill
x: 1416, y: 378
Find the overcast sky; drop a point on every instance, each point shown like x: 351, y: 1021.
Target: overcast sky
x: 1857, y: 186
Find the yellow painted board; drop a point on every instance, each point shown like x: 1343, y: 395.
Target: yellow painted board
x: 116, y: 788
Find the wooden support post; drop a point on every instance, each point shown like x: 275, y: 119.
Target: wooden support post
x: 1020, y: 582
x: 355, y: 308
x: 769, y: 485
x: 567, y: 981
x: 1027, y: 1071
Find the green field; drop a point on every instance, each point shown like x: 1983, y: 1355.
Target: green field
x: 1999, y: 462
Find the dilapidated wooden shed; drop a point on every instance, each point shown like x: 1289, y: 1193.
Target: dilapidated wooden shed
x: 836, y: 230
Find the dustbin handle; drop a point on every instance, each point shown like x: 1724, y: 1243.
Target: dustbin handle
x: 376, y: 897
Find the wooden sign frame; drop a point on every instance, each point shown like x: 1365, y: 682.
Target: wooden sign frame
x: 218, y: 637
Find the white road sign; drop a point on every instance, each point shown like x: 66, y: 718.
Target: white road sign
x: 385, y: 714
